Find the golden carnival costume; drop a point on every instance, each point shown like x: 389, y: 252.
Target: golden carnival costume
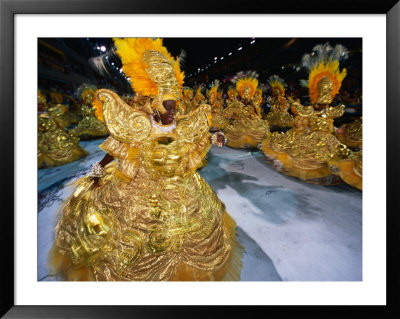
x: 248, y: 129
x: 218, y: 121
x: 89, y: 126
x: 152, y: 217
x: 61, y: 112
x: 188, y: 104
x: 199, y: 98
x: 232, y: 95
x: 306, y: 150
x: 350, y: 169
x: 55, y: 146
x: 278, y: 117
x: 351, y: 134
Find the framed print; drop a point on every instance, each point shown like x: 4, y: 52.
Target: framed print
x: 369, y: 30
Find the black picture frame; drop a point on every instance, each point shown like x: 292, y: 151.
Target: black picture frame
x: 8, y: 10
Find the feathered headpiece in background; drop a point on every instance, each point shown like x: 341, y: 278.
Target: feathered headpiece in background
x: 276, y: 82
x: 323, y: 62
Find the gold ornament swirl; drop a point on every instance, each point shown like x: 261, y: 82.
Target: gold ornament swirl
x: 192, y: 127
x: 123, y: 122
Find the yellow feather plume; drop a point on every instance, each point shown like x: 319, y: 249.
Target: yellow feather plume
x: 212, y: 93
x: 131, y: 51
x: 199, y: 96
x: 98, y: 106
x: 277, y: 85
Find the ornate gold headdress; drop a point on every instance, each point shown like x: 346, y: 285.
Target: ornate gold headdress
x: 252, y: 83
x: 152, y: 71
x: 276, y: 82
x: 323, y: 65
x: 232, y: 93
x: 246, y: 79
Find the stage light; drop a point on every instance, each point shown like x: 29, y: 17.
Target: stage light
x: 120, y: 70
x: 215, y: 58
x: 230, y: 53
x: 222, y: 58
x: 103, y: 48
x: 252, y: 41
x: 240, y: 48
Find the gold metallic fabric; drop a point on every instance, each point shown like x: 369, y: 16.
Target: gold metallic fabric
x: 219, y: 121
x: 352, y: 135
x: 152, y: 217
x: 89, y: 125
x: 305, y: 150
x: 247, y: 129
x: 55, y: 146
x: 278, y: 114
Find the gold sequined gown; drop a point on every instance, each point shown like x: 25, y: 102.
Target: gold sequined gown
x: 247, y: 129
x: 63, y: 116
x: 352, y: 135
x: 153, y: 218
x: 89, y: 126
x: 278, y: 117
x: 218, y: 120
x: 350, y: 169
x: 306, y: 150
x: 55, y: 146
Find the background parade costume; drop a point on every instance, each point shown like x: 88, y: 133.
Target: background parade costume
x: 310, y: 150
x: 89, y: 126
x: 247, y: 129
x: 278, y: 117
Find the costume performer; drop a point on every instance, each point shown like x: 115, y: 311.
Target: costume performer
x: 278, y: 117
x: 55, y: 146
x: 218, y: 121
x: 248, y: 129
x: 306, y: 150
x: 149, y: 216
x: 351, y: 134
x: 199, y: 98
x: 187, y: 100
x: 232, y: 95
x: 89, y: 126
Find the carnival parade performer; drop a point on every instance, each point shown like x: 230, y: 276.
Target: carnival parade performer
x: 278, y: 117
x: 218, y: 121
x: 148, y: 216
x: 310, y: 149
x: 89, y: 126
x: 247, y: 129
x: 55, y: 146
